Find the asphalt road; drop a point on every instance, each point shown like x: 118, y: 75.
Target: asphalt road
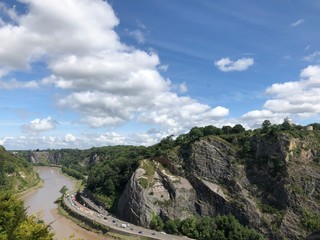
x: 103, y: 217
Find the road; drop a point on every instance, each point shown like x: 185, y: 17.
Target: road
x: 103, y: 217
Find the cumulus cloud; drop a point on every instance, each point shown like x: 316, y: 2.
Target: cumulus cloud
x: 52, y: 29
x: 254, y: 119
x: 170, y: 110
x: 227, y: 65
x: 39, y: 125
x: 297, y: 23
x: 69, y: 138
x: 298, y: 99
x: 106, y: 81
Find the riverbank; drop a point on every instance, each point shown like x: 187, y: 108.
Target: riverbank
x: 85, y: 233
x: 22, y: 195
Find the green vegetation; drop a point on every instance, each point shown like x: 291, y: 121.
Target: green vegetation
x: 63, y: 190
x: 144, y: 182
x: 156, y: 223
x: 108, y: 177
x: 73, y: 173
x: 16, y: 174
x: 310, y: 221
x: 16, y: 225
x: 218, y: 228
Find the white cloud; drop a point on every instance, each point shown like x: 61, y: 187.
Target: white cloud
x: 52, y: 29
x: 183, y: 88
x: 69, y: 138
x: 106, y: 81
x: 138, y: 36
x: 297, y: 23
x: 298, y: 99
x: 227, y: 65
x: 39, y: 125
x: 170, y: 110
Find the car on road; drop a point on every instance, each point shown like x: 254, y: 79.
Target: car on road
x: 140, y: 232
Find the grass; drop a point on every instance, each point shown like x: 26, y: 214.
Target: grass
x: 143, y: 182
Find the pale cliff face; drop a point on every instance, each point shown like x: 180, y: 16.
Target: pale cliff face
x: 156, y: 192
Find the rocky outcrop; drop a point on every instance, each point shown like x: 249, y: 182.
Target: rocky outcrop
x: 269, y: 189
x: 160, y: 193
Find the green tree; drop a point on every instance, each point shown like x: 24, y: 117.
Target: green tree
x: 16, y: 225
x: 156, y: 223
x: 285, y: 125
x: 227, y: 129
x: 211, y: 130
x: 189, y: 227
x: 266, y: 126
x: 63, y: 190
x: 196, y: 133
x: 238, y: 128
x: 173, y: 226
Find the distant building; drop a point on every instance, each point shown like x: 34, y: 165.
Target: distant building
x: 288, y: 120
x: 309, y: 128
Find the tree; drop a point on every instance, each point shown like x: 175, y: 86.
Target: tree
x: 172, y: 226
x: 285, y: 125
x: 156, y: 223
x: 63, y: 190
x: 16, y: 225
x: 238, y: 128
x: 227, y: 129
x: 266, y: 126
x: 211, y: 130
x: 196, y: 133
x: 189, y: 227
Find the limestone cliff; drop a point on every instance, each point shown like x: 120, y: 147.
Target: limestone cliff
x: 154, y: 190
x: 272, y: 185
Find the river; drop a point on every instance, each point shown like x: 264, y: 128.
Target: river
x: 42, y: 201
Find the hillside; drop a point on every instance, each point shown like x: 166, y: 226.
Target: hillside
x: 16, y: 174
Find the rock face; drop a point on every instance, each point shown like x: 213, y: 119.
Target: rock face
x: 158, y: 192
x: 270, y: 189
x: 44, y: 157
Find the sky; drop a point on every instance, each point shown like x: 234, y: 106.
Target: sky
x: 84, y: 73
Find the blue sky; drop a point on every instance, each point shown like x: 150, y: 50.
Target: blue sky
x: 83, y: 73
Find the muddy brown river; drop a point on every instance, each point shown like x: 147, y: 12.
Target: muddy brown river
x: 42, y: 201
